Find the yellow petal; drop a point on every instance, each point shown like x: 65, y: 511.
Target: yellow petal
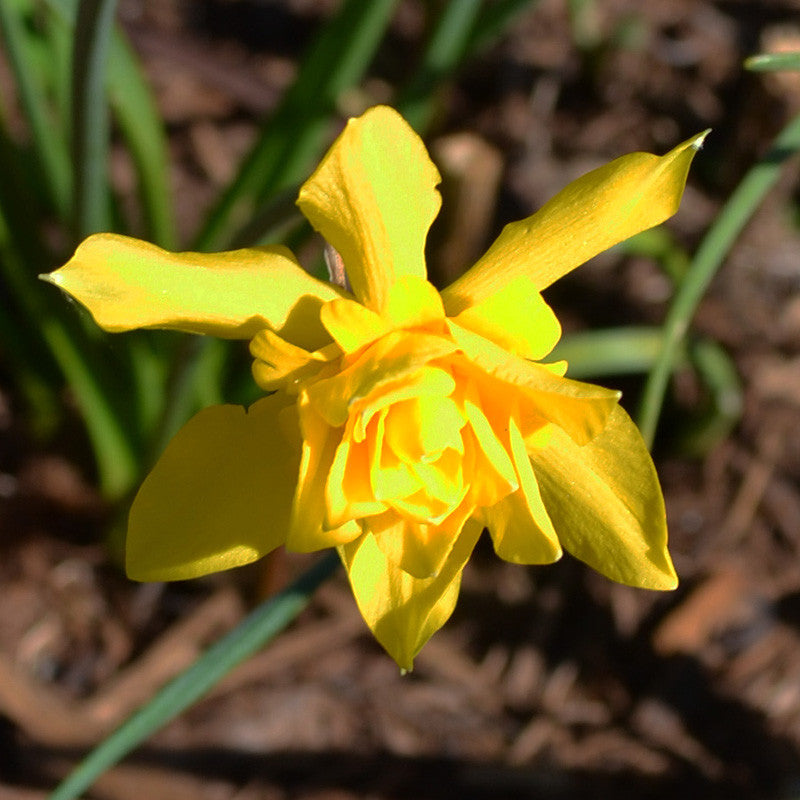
x: 373, y: 198
x: 402, y: 611
x: 390, y: 478
x: 126, y: 283
x: 418, y: 548
x: 280, y: 364
x: 412, y: 302
x: 394, y: 358
x: 219, y: 496
x: 590, y: 215
x: 307, y: 529
x: 606, y: 504
x: 422, y: 427
x: 581, y: 409
x: 351, y: 324
x: 349, y: 492
x: 516, y: 318
x: 519, y: 524
x: 494, y: 474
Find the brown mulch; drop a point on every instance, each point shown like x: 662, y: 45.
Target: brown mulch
x: 548, y: 682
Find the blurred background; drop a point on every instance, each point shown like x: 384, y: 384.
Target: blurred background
x: 547, y: 682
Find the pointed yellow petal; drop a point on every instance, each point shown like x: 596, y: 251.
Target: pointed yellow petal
x: 418, y: 548
x: 219, y: 496
x: 126, y: 283
x: 402, y: 611
x: 373, y: 198
x: 516, y: 318
x: 590, y: 215
x: 606, y: 504
x: 519, y: 524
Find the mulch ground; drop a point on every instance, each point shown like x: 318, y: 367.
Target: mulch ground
x: 548, y: 682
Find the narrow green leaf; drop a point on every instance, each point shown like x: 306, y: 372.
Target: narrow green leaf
x: 613, y: 351
x: 90, y: 125
x: 47, y: 141
x: 712, y: 251
x: 261, y: 626
x: 447, y: 47
x: 725, y: 401
x: 772, y: 62
x: 140, y: 122
x: 494, y: 19
x: 296, y: 132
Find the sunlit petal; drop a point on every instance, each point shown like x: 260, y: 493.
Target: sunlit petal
x: 593, y: 213
x: 308, y: 530
x: 280, y: 364
x: 394, y: 357
x: 419, y: 548
x: 220, y: 495
x: 373, y: 197
x: 352, y: 325
x: 402, y: 611
x: 519, y: 524
x: 126, y: 283
x: 606, y: 505
x: 412, y: 302
x: 516, y: 318
x: 581, y: 409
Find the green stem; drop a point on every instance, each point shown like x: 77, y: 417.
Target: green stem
x: 262, y: 625
x: 90, y: 126
x: 710, y: 255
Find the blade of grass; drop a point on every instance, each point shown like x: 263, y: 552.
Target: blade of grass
x: 634, y: 350
x: 295, y: 133
x: 92, y: 76
x: 771, y: 62
x: 47, y: 138
x: 659, y: 245
x: 42, y: 322
x: 721, y: 380
x: 33, y: 371
x: 250, y: 635
x: 447, y: 47
x: 90, y: 124
x: 494, y: 19
x: 710, y: 255
x: 614, y: 351
x: 140, y: 122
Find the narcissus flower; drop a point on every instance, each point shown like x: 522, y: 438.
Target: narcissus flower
x: 402, y: 421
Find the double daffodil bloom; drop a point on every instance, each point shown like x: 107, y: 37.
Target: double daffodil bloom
x: 402, y: 421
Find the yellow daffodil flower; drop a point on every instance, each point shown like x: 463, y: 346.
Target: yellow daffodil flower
x: 402, y: 421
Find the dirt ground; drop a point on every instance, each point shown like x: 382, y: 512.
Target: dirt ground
x: 548, y: 682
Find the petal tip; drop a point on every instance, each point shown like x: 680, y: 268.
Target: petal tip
x: 699, y: 140
x: 55, y: 278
